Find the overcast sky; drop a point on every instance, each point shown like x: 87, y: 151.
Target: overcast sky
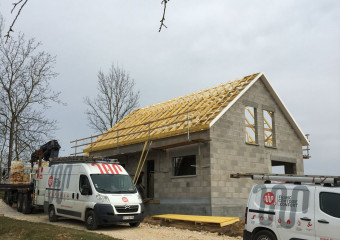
x: 295, y: 43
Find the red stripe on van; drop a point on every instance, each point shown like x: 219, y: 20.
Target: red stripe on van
x: 115, y: 168
x: 99, y: 167
x: 105, y: 166
x: 120, y: 170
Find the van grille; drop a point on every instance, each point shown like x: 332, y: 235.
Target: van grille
x: 126, y: 208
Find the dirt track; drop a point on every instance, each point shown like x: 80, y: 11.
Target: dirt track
x: 146, y: 231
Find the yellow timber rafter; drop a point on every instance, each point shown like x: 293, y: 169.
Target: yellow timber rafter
x: 174, y: 117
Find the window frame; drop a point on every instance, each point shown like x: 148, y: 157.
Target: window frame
x: 270, y: 129
x: 247, y: 124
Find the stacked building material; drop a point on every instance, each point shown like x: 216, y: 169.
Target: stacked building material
x: 26, y: 178
x: 17, y: 172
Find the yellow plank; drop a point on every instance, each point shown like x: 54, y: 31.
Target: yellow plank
x: 222, y: 221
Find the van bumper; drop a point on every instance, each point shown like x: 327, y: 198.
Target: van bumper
x: 106, y: 216
x: 246, y: 235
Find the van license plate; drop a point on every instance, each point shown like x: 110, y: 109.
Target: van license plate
x: 128, y: 217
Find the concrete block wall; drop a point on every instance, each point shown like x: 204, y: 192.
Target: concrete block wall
x: 230, y: 154
x: 177, y: 194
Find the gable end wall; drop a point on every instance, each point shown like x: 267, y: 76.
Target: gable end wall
x: 230, y: 154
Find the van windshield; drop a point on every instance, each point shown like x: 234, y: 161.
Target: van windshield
x: 113, y: 183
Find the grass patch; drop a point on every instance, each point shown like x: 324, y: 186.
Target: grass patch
x: 18, y: 229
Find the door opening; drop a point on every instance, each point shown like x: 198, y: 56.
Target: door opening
x: 150, y: 169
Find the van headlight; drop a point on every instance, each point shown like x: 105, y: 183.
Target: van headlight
x: 139, y: 198
x: 102, y: 198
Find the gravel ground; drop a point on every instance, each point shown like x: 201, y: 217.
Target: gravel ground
x: 145, y: 231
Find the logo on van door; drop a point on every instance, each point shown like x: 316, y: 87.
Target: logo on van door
x: 269, y: 198
x: 284, y: 204
x: 124, y: 199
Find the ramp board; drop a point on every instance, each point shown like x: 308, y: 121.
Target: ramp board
x: 222, y: 221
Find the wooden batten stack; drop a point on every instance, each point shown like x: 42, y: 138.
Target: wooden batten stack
x: 17, y: 172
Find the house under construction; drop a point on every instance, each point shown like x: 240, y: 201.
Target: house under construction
x: 199, y: 139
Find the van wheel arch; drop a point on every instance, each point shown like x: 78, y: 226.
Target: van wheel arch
x: 262, y: 229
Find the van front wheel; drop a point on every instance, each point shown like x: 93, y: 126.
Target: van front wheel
x: 265, y: 235
x: 90, y: 220
x: 51, y: 214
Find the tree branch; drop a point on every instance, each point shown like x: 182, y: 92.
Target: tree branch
x: 7, y: 36
x: 164, y: 2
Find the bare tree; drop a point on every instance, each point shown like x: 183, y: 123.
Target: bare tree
x: 25, y: 94
x: 116, y: 98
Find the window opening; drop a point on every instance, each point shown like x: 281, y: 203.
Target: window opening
x: 250, y: 124
x: 329, y: 203
x: 268, y: 128
x: 84, y: 185
x: 279, y: 167
x: 184, y: 165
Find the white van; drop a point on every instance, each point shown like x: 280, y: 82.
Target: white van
x: 98, y: 193
x: 288, y: 211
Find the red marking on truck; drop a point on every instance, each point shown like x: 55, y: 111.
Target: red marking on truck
x: 50, y: 181
x: 288, y: 221
x: 261, y: 218
x: 99, y: 167
x: 120, y: 170
x: 253, y: 216
x: 309, y: 224
x: 124, y: 199
x: 279, y: 221
x: 268, y: 198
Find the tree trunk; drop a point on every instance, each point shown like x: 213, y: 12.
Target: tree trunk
x: 10, y: 144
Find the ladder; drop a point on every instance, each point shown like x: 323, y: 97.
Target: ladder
x: 316, y: 179
x: 142, y: 160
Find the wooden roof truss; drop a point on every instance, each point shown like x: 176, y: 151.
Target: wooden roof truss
x: 183, y: 115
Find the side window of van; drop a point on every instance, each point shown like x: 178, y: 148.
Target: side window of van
x: 84, y: 185
x: 329, y: 203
